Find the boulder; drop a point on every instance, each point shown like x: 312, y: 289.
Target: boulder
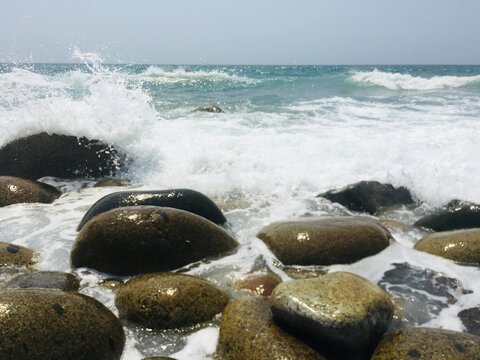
x: 462, y: 246
x: 143, y: 239
x: 111, y: 182
x: 169, y: 301
x: 247, y: 331
x: 456, y: 215
x: 471, y: 320
x: 183, y: 199
x: 340, y: 308
x: 261, y: 283
x: 209, y: 108
x: 15, y: 255
x: 55, y: 324
x: 427, y: 343
x: 45, y: 279
x: 14, y: 190
x: 63, y: 156
x: 369, y: 196
x: 325, y: 240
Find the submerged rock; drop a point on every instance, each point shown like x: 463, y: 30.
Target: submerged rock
x: 462, y: 246
x: 369, y: 196
x: 16, y: 255
x: 56, y: 324
x: 259, y: 283
x: 169, y: 301
x: 427, y: 343
x: 143, y: 239
x: 339, y: 308
x: 325, y: 241
x: 40, y: 155
x: 45, y: 279
x: 14, y: 190
x: 111, y: 182
x: 183, y: 199
x: 456, y: 215
x: 247, y: 331
x: 471, y: 320
x: 209, y: 108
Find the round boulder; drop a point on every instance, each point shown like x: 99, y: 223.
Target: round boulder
x: 457, y: 214
x: 16, y: 255
x: 183, y: 199
x: 462, y: 246
x: 339, y: 308
x: 427, y: 343
x: 169, y: 301
x: 325, y: 241
x: 45, y: 279
x: 56, y: 324
x: 144, y: 239
x: 14, y: 190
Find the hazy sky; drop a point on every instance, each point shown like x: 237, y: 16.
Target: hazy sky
x: 243, y: 32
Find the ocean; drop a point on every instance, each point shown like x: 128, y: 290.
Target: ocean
x: 288, y: 133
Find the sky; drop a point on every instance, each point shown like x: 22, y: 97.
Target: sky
x: 242, y: 32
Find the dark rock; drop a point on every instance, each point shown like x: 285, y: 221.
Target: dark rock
x: 209, y: 108
x: 61, y: 156
x: 339, y: 308
x: 247, y: 331
x: 111, y: 182
x: 471, y: 320
x: 169, y: 301
x: 55, y: 324
x: 456, y: 215
x: 16, y: 255
x: 45, y: 279
x: 143, y: 239
x: 325, y: 241
x: 427, y: 343
x: 183, y: 199
x: 14, y: 190
x: 304, y: 272
x: 369, y: 196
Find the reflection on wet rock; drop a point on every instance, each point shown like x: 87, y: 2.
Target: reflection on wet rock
x: 457, y: 214
x: 261, y: 283
x: 14, y: 190
x: 45, y: 279
x: 16, y: 255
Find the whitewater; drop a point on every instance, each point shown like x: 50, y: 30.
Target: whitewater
x: 288, y: 133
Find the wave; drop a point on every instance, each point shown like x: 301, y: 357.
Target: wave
x: 397, y: 81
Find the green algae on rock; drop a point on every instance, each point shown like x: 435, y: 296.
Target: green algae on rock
x: 247, y: 331
x: 45, y: 279
x: 57, y: 325
x: 427, y: 344
x: 15, y: 190
x: 169, y: 301
x: 325, y: 240
x: 16, y: 255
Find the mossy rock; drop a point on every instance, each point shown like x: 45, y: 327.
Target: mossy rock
x: 15, y: 255
x: 111, y: 182
x: 14, y: 190
x: 325, y: 241
x: 247, y: 331
x: 462, y: 246
x: 144, y: 239
x: 183, y: 199
x: 339, y: 308
x: 169, y: 301
x: 45, y: 279
x: 457, y: 214
x: 55, y: 324
x: 427, y: 344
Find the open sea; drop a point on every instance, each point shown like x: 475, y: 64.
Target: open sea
x: 288, y: 133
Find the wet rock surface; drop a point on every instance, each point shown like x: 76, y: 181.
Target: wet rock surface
x: 143, y: 239
x: 369, y: 196
x: 325, y: 241
x: 56, y: 324
x: 471, y: 320
x: 14, y: 190
x: 247, y: 331
x: 16, y: 255
x: 183, y: 199
x: 111, y: 182
x: 169, y: 301
x: 259, y: 283
x: 426, y: 344
x: 457, y: 214
x: 45, y: 279
x: 209, y: 108
x: 339, y: 308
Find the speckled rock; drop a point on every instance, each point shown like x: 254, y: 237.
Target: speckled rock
x: 369, y: 196
x: 14, y: 190
x: 45, y: 279
x: 143, y: 239
x: 325, y: 240
x: 462, y: 246
x: 457, y: 214
x: 209, y: 108
x: 183, y: 199
x: 247, y: 331
x: 55, y: 324
x: 427, y: 344
x: 16, y: 255
x: 340, y: 308
x: 169, y: 301
x: 111, y: 182
x: 261, y: 283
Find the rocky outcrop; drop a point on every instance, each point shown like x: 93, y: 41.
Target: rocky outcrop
x: 209, y: 108
x: 183, y: 199
x: 14, y: 190
x: 169, y: 301
x: 143, y: 239
x: 456, y: 215
x: 45, y: 279
x: 325, y: 241
x: 15, y: 255
x: 57, y: 325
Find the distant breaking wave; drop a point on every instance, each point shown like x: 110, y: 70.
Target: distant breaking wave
x: 396, y: 81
